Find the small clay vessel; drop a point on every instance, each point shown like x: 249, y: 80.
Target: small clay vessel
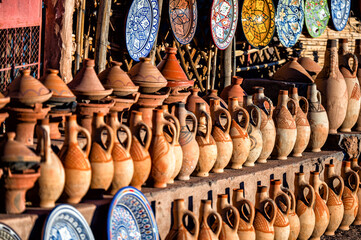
x: 213, y: 94
x: 246, y: 215
x: 193, y: 99
x: 229, y: 228
x: 292, y: 216
x: 207, y: 231
x: 234, y: 90
x: 358, y: 55
x: 357, y: 168
x: 292, y: 71
x: 312, y: 67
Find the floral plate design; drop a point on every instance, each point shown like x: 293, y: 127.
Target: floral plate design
x: 6, y: 233
x: 317, y: 16
x: 340, y: 12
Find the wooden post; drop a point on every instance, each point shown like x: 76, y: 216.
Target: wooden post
x: 227, y: 66
x: 214, y: 67
x: 154, y: 50
x: 79, y: 34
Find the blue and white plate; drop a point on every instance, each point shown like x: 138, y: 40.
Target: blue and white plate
x: 131, y: 217
x: 141, y: 27
x: 340, y: 12
x: 64, y: 223
x: 6, y: 233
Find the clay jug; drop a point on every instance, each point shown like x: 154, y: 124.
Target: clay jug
x: 286, y: 130
x: 292, y: 216
x: 268, y: 128
x: 334, y: 201
x: 234, y: 90
x: 123, y: 162
x: 358, y: 55
x: 206, y: 143
x: 349, y: 196
x: 246, y: 215
x: 333, y: 88
x: 239, y: 134
x: 317, y: 117
x: 139, y: 149
x: 213, y: 94
x: 178, y: 230
x: 207, y: 231
x: 229, y: 225
x: 322, y: 214
x: 357, y: 168
x: 75, y: 160
x: 305, y: 204
x: 193, y: 99
x: 265, y: 215
x: 187, y: 140
x: 52, y: 174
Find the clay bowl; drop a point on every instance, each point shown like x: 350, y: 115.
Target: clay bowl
x: 92, y: 95
x: 177, y: 96
x: 125, y: 91
x: 32, y: 100
x: 153, y: 100
x: 122, y: 104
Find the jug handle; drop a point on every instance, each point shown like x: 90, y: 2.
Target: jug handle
x: 227, y: 126
x: 128, y: 133
x: 43, y: 141
x: 255, y: 108
x: 109, y: 144
x: 355, y: 62
x: 219, y: 218
x: 288, y: 203
x: 312, y: 192
x: 176, y: 123
x: 195, y: 122
x: 272, y: 216
x: 195, y: 220
x: 246, y: 115
x: 293, y: 111
x: 325, y: 187
x: 252, y: 210
x: 292, y: 198
x: 342, y: 183
x: 209, y: 125
x: 174, y: 129
x: 350, y: 175
x: 148, y: 135
x: 88, y: 138
x: 306, y: 104
x: 270, y: 110
x: 236, y: 218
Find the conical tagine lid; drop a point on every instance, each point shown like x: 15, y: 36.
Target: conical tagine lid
x: 311, y: 66
x: 292, y: 71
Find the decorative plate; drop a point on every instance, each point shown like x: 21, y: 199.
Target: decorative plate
x: 6, y: 233
x: 289, y: 21
x: 340, y: 11
x: 258, y: 21
x: 131, y: 217
x: 183, y: 19
x: 224, y: 17
x: 66, y: 222
x: 316, y: 16
x: 141, y: 27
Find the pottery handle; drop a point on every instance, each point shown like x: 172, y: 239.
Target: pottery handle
x: 272, y: 215
x: 219, y: 221
x: 227, y: 126
x: 110, y: 139
x: 325, y: 188
x: 88, y: 138
x: 342, y: 184
x: 246, y: 116
x: 175, y: 122
x: 174, y: 130
x: 293, y: 111
x: 195, y: 122
x: 319, y: 97
x: 292, y: 198
x: 258, y: 111
x: 208, y: 125
x: 288, y: 203
x: 195, y: 220
x: 129, y: 136
x: 349, y: 184
x: 270, y: 109
x: 347, y: 62
x: 235, y: 212
x: 148, y: 134
x: 306, y: 104
x: 252, y: 211
x: 312, y: 192
x: 43, y: 141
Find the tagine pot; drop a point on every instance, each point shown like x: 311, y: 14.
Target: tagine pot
x: 292, y: 71
x: 229, y: 225
x: 213, y: 94
x: 312, y: 67
x: 193, y: 99
x: 292, y: 216
x: 246, y: 215
x: 234, y: 90
x: 357, y: 168
x: 207, y: 231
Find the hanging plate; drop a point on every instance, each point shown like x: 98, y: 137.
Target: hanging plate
x: 316, y: 16
x: 224, y: 17
x: 7, y: 233
x: 183, y: 19
x: 340, y: 12
x: 141, y: 27
x: 131, y: 217
x: 289, y: 21
x: 258, y: 21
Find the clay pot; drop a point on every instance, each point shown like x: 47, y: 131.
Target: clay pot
x: 75, y: 161
x: 229, y: 228
x: 234, y: 90
x: 333, y: 88
x: 193, y: 99
x: 286, y: 130
x: 317, y: 117
x: 139, y: 149
x: 268, y: 128
x: 358, y: 55
x: 357, y: 168
x: 213, y: 94
x: 3, y: 102
x: 312, y: 67
x: 177, y: 96
x: 178, y: 230
x: 292, y: 216
x: 206, y: 231
x: 239, y: 134
x: 292, y: 71
x: 246, y: 215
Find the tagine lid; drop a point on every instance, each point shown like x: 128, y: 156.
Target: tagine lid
x: 312, y: 67
x: 145, y: 73
x: 292, y: 71
x: 53, y: 82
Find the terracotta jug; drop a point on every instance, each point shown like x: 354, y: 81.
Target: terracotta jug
x: 206, y: 231
x: 234, y: 90
x: 305, y: 206
x: 52, y: 175
x: 193, y: 99
x: 292, y: 216
x: 265, y: 215
x: 239, y: 134
x: 76, y: 163
x: 268, y: 128
x: 333, y: 88
x: 206, y: 143
x: 229, y: 228
x: 123, y: 162
x: 178, y: 230
x: 334, y: 201
x: 213, y: 94
x: 187, y: 140
x: 286, y: 130
x: 317, y: 117
x: 322, y: 214
x: 357, y: 168
x: 349, y: 196
x: 246, y: 215
x: 139, y: 149
x: 358, y: 55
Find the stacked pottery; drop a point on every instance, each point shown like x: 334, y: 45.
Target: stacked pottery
x: 193, y: 99
x: 234, y: 90
x: 358, y: 55
x: 229, y: 225
x: 3, y: 102
x: 292, y: 216
x: 292, y: 71
x: 246, y: 215
x: 213, y: 94
x: 356, y: 167
x: 207, y: 231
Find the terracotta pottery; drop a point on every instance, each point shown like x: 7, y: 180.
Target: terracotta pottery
x: 349, y: 196
x: 193, y: 99
x: 76, y: 163
x: 265, y: 215
x: 52, y: 174
x: 57, y: 116
x: 207, y: 231
x: 246, y: 215
x: 322, y: 214
x: 208, y: 151
x: 268, y: 128
x: 334, y: 201
x: 234, y: 90
x: 145, y: 75
x: 292, y: 71
x: 286, y: 130
x: 239, y: 134
x: 333, y: 88
x: 358, y: 55
x: 3, y: 101
x: 292, y: 216
x: 305, y: 204
x: 177, y: 96
x: 229, y: 226
x: 317, y: 117
x: 124, y: 103
x: 139, y: 149
x: 302, y: 124
x: 213, y: 94
x: 221, y: 135
x: 187, y: 140
x: 123, y: 162
x: 178, y: 230
x: 357, y: 168
x: 312, y: 67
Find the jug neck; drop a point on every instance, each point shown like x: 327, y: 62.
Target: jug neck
x: 282, y: 99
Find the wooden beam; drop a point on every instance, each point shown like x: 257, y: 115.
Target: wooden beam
x: 227, y: 65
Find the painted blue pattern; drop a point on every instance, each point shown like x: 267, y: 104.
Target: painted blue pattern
x: 7, y: 233
x: 340, y: 12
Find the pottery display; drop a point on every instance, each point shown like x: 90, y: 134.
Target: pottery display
x: 177, y: 96
x: 8, y: 233
x: 246, y: 215
x: 292, y: 216
x: 213, y: 94
x: 207, y: 231
x: 292, y: 71
x: 234, y: 90
x: 124, y: 104
x: 193, y: 99
x: 358, y: 55
x: 317, y: 15
x: 340, y: 12
x: 312, y: 67
x: 357, y: 168
x: 229, y: 226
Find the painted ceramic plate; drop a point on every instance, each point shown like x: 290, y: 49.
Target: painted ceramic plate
x: 224, y: 17
x: 340, y: 11
x: 289, y: 21
x: 141, y: 27
x: 66, y: 222
x: 258, y: 21
x: 6, y: 233
x: 131, y: 217
x: 183, y: 19
x: 317, y: 15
